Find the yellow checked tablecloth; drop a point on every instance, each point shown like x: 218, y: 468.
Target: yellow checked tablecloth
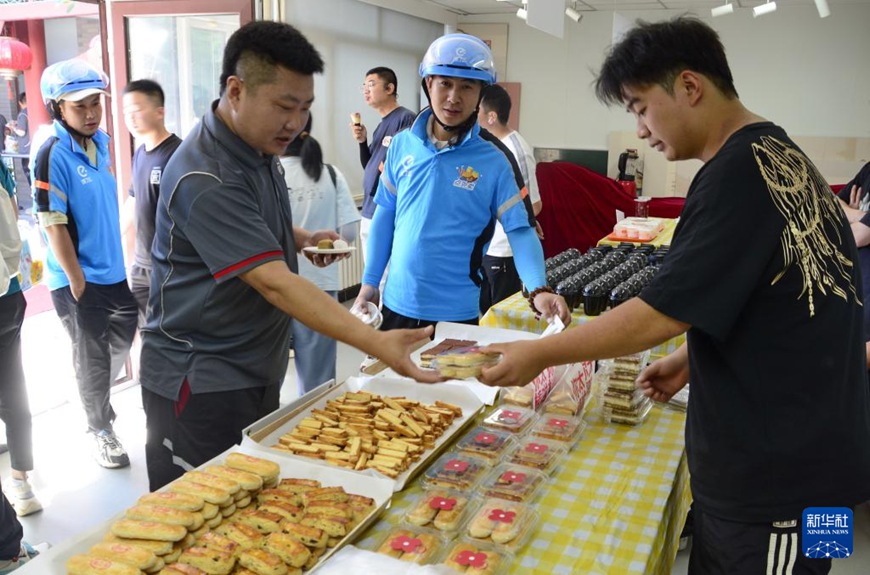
x: 616, y: 504
x: 663, y: 239
x: 514, y: 313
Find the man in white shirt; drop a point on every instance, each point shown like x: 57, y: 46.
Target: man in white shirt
x: 501, y: 277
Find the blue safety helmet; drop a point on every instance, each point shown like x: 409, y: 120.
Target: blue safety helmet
x: 459, y: 56
x: 72, y: 80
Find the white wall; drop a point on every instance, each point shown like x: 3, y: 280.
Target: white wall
x: 352, y: 38
x: 802, y: 72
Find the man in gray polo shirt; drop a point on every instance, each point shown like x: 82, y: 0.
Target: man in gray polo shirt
x: 215, y: 342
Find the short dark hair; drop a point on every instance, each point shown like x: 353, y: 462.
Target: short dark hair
x: 22, y: 98
x: 655, y: 53
x: 148, y: 87
x: 388, y: 76
x: 496, y: 99
x: 253, y: 51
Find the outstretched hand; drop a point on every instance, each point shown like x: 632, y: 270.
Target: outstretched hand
x: 396, y: 349
x: 517, y: 366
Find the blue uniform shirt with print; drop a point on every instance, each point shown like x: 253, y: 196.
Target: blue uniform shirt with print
x: 66, y: 181
x: 445, y: 203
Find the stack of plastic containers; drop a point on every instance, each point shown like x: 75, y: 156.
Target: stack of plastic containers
x: 622, y: 402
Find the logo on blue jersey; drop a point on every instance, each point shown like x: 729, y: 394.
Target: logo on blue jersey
x: 155, y: 176
x: 83, y: 173
x: 407, y: 163
x: 467, y: 179
x: 827, y: 532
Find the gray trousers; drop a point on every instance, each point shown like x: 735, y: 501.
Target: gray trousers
x: 101, y: 326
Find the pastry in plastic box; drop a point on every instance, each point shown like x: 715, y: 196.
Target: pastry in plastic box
x: 456, y: 470
x: 513, y: 482
x: 538, y: 453
x: 558, y: 427
x: 463, y: 363
x: 521, y: 396
x: 513, y: 419
x: 485, y: 442
x: 533, y: 395
x: 502, y: 522
x: 414, y: 545
x: 443, y: 346
x: 608, y: 381
x: 443, y: 509
x: 627, y: 364
x: 628, y: 417
x: 474, y: 558
x: 622, y: 400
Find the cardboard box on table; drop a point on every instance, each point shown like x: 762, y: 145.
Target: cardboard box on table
x: 53, y: 562
x: 266, y: 432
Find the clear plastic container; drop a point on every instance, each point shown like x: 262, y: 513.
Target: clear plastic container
x: 559, y: 428
x: 513, y: 482
x: 467, y: 555
x: 505, y: 524
x: 627, y: 364
x: 538, y: 453
x: 622, y: 400
x: 456, y: 470
x: 421, y: 546
x: 441, y: 509
x: 634, y: 417
x: 513, y: 419
x: 463, y: 363
x: 484, y: 442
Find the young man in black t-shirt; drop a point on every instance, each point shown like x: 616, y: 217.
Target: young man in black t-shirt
x: 144, y: 115
x: 762, y: 274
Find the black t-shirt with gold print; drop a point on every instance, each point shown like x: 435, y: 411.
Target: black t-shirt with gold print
x: 763, y: 266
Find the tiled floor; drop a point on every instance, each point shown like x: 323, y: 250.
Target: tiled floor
x: 78, y: 494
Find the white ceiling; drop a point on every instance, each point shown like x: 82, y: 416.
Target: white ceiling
x: 485, y: 7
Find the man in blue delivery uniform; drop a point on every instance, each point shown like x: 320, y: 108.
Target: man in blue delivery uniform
x: 76, y: 200
x: 445, y: 184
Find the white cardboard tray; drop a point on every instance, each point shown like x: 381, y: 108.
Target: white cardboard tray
x: 53, y: 561
x: 267, y: 431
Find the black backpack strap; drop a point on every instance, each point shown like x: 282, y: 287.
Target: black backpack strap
x: 332, y: 175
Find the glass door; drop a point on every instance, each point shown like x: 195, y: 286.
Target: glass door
x: 178, y: 43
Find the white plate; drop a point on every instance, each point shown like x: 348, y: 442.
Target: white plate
x: 331, y: 251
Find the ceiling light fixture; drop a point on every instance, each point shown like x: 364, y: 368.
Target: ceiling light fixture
x: 577, y: 16
x: 822, y: 7
x: 522, y: 14
x: 726, y: 8
x: 763, y: 9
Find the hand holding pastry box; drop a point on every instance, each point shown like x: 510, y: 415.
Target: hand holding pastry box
x: 463, y: 363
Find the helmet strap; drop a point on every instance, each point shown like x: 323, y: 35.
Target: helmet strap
x: 462, y: 128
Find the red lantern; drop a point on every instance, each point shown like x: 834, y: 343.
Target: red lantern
x: 15, y: 56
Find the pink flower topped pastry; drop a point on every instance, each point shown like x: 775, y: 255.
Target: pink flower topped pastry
x: 456, y: 465
x: 445, y: 503
x: 512, y: 477
x: 471, y: 559
x: 536, y: 448
x: 502, y: 516
x: 405, y: 544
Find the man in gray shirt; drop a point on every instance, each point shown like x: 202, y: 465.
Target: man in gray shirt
x: 224, y: 279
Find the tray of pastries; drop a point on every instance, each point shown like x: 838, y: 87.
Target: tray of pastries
x: 376, y: 426
x: 242, y: 512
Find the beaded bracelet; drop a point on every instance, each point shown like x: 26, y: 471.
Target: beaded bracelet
x: 535, y: 292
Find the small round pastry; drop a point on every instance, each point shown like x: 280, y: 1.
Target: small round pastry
x: 340, y: 244
x: 325, y: 245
